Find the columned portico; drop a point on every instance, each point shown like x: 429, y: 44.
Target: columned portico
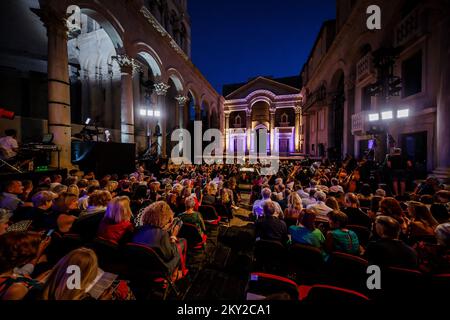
x: 161, y: 91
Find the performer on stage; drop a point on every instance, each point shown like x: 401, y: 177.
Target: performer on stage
x: 8, y: 145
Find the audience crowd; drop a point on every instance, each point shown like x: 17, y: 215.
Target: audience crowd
x: 300, y: 205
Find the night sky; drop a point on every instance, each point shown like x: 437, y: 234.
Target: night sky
x: 234, y: 40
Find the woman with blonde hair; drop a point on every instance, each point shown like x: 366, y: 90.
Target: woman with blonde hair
x: 112, y: 187
x: 116, y: 222
x: 73, y: 188
x: 159, y: 231
x: 56, y: 287
x: 293, y: 213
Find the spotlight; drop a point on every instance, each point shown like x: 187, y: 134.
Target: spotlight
x: 387, y: 115
x: 374, y: 117
x: 88, y: 120
x: 403, y: 113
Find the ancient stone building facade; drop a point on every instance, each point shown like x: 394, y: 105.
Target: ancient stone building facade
x: 342, y: 74
x: 124, y: 64
x: 263, y: 103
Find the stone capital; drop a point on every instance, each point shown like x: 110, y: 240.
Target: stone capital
x: 182, y: 100
x: 126, y: 63
x: 298, y: 109
x: 161, y: 88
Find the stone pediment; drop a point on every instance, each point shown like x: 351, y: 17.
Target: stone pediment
x: 265, y: 84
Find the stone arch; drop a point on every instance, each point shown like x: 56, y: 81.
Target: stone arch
x: 150, y: 56
x: 176, y: 78
x: 105, y: 18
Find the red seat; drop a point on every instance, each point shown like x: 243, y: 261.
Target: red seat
x: 329, y: 294
x: 147, y: 268
x: 270, y: 256
x: 362, y: 232
x: 348, y: 271
x: 264, y: 286
x: 307, y: 262
x: 209, y: 214
x: 190, y: 232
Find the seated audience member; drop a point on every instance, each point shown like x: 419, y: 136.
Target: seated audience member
x: 391, y: 207
x: 27, y: 189
x: 83, y: 202
x: 440, y: 208
x: 140, y: 199
x: 389, y: 250
x: 435, y: 258
x: 306, y: 232
x: 39, y: 214
x: 125, y: 189
x: 55, y: 287
x: 354, y: 213
x: 335, y: 187
x: 365, y: 195
x: 82, y: 187
x: 340, y: 238
x: 19, y: 253
x: 309, y: 199
x: 154, y: 191
x: 56, y: 181
x: 209, y: 199
x: 191, y: 216
x: 64, y: 212
x: 257, y: 209
x: 380, y: 193
x: 10, y: 197
x: 5, y: 216
x: 374, y: 207
x: 270, y: 227
x: 97, y: 202
x: 430, y: 186
x: 422, y: 222
x: 73, y: 188
x: 332, y: 203
x: 293, y: 212
x: 159, y: 231
x: 320, y: 208
x: 116, y: 222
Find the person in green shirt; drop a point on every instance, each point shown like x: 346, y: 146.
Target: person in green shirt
x: 192, y: 217
x: 340, y: 238
x: 306, y: 232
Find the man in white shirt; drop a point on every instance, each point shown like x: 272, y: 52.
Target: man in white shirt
x: 258, y: 204
x: 320, y: 208
x: 8, y: 145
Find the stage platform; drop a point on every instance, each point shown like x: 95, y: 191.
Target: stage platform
x: 31, y: 175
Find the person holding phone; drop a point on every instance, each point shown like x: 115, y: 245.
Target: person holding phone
x: 20, y: 252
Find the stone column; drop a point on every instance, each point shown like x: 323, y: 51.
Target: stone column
x: 248, y: 125
x: 298, y: 128
x: 182, y: 100
x: 272, y: 111
x: 348, y: 143
x: 127, y: 67
x: 161, y: 91
x: 442, y: 170
x: 227, y: 126
x: 59, y: 121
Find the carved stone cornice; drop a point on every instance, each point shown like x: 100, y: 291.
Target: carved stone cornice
x: 160, y: 29
x: 298, y: 109
x: 52, y: 20
x: 161, y: 88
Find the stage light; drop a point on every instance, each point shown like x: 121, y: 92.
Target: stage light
x: 374, y: 117
x: 157, y: 113
x: 403, y: 113
x: 143, y: 112
x: 88, y: 120
x: 150, y: 113
x: 387, y: 115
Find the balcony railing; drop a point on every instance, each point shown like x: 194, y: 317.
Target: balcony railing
x: 413, y: 25
x: 364, y: 67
